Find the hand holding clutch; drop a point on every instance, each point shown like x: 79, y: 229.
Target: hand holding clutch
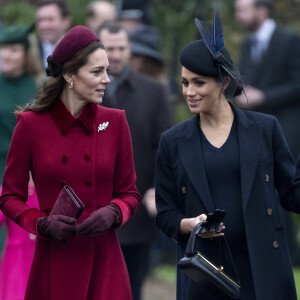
x: 100, y: 221
x: 60, y: 227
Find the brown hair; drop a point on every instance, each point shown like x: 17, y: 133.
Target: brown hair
x: 50, y: 91
x: 33, y: 64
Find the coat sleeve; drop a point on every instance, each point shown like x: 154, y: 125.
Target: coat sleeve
x: 169, y: 214
x: 125, y: 194
x: 284, y: 172
x: 297, y: 180
x: 15, y: 180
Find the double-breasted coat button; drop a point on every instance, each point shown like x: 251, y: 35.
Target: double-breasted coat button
x: 269, y: 211
x: 183, y: 190
x: 275, y: 244
x: 87, y: 157
x: 87, y: 132
x: 64, y: 158
x: 87, y: 183
x: 63, y: 183
x: 267, y: 178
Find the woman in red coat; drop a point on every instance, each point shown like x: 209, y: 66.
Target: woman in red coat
x: 65, y: 138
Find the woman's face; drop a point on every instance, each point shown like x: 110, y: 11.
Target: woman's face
x: 12, y: 59
x: 91, y: 79
x: 202, y: 94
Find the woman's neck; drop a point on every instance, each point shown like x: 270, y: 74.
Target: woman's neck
x: 221, y: 116
x: 73, y: 105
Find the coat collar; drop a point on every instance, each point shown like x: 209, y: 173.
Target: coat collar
x: 64, y: 119
x: 189, y: 147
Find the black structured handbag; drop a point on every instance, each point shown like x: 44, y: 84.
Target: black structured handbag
x: 201, y: 269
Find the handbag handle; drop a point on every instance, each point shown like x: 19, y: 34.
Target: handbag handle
x: 190, y: 249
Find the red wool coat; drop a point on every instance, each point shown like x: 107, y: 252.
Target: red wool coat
x: 98, y: 164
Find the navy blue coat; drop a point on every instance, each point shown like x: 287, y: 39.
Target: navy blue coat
x: 267, y: 171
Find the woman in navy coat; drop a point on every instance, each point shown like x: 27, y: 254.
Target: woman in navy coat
x: 226, y: 158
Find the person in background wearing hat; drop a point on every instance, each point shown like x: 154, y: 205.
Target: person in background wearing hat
x: 147, y: 109
x: 146, y: 58
x: 230, y: 159
x: 18, y: 80
x: 133, y: 13
x: 65, y: 138
x: 99, y: 11
x: 53, y: 19
x: 270, y: 65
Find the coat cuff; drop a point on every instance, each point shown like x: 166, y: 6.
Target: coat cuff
x: 124, y: 208
x: 29, y: 220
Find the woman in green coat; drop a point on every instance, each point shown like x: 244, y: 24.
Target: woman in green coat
x: 18, y: 76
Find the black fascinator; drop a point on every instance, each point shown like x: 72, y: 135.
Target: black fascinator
x: 209, y: 56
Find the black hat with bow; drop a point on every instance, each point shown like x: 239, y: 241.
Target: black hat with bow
x: 209, y: 57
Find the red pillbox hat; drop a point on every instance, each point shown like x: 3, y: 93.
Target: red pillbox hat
x: 74, y: 40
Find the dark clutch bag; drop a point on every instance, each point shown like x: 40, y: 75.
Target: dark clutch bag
x: 199, y: 268
x: 68, y: 204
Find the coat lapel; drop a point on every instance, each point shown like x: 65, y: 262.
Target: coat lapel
x: 189, y: 148
x: 250, y: 140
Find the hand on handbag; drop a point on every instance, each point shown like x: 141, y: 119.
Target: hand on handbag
x: 60, y: 227
x: 100, y: 221
x: 213, y: 223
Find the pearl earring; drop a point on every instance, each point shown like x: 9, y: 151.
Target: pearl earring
x: 71, y: 84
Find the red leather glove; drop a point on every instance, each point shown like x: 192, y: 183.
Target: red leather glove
x: 60, y: 227
x: 100, y: 221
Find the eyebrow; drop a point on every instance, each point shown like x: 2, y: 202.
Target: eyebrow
x: 99, y: 67
x: 194, y: 78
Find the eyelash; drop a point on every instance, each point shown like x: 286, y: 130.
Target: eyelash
x: 197, y: 83
x: 97, y: 72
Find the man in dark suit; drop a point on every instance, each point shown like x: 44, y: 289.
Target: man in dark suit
x: 147, y: 111
x: 52, y: 22
x: 270, y: 65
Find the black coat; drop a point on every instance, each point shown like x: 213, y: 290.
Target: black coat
x: 266, y: 167
x: 278, y: 76
x: 148, y: 115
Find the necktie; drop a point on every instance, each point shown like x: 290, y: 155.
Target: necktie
x: 256, y: 50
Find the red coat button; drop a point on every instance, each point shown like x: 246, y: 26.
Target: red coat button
x: 87, y: 183
x: 64, y: 158
x: 87, y: 157
x: 87, y: 132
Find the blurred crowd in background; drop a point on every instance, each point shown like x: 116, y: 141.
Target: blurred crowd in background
x: 135, y: 40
